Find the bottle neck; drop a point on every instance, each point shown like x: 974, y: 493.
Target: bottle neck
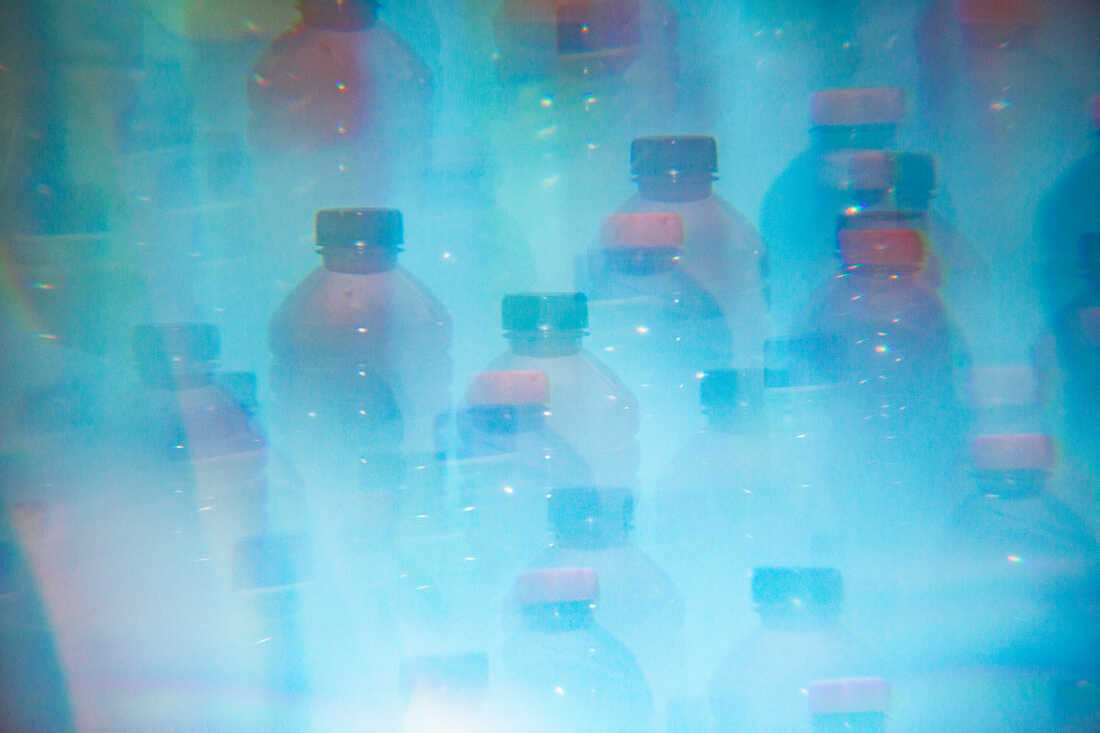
x: 557, y: 617
x: 1017, y: 484
x: 359, y: 260
x: 675, y: 188
x: 353, y: 15
x: 831, y: 138
x: 548, y: 343
x: 641, y: 261
x: 789, y: 617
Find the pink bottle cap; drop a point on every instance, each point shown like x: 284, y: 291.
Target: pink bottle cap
x: 999, y: 12
x: 864, y: 106
x: 650, y: 230
x: 1020, y: 451
x: 850, y: 695
x: 508, y: 388
x: 557, y: 585
x: 881, y: 247
x: 1003, y: 385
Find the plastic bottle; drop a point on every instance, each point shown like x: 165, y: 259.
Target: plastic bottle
x: 762, y: 682
x: 1064, y: 215
x: 652, y: 323
x: 563, y: 669
x: 640, y: 604
x: 1015, y: 547
x: 339, y: 113
x: 721, y: 250
x: 860, y: 704
x: 899, y: 357
x: 508, y: 462
x: 361, y: 349
x: 578, y: 81
x: 590, y: 408
x: 798, y: 214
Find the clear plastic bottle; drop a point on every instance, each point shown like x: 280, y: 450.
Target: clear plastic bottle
x: 1065, y: 213
x: 762, y: 683
x: 361, y: 351
x: 652, y: 323
x: 590, y: 408
x: 640, y: 604
x: 339, y: 113
x: 721, y: 251
x: 900, y: 356
x: 858, y: 704
x: 563, y: 670
x: 799, y: 211
x: 508, y: 462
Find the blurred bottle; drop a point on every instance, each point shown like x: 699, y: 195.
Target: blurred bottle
x: 193, y: 423
x: 858, y: 704
x: 1067, y: 355
x: 989, y: 81
x: 159, y: 180
x: 508, y: 462
x: 339, y: 113
x: 563, y: 670
x: 761, y: 686
x: 1016, y: 547
x: 445, y: 691
x: 590, y: 408
x: 799, y: 211
x: 639, y: 603
x: 899, y: 357
x: 271, y: 576
x: 361, y: 351
x: 1065, y: 214
x: 579, y: 79
x: 721, y: 251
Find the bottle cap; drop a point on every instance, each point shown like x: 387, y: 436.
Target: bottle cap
x: 272, y: 561
x: 999, y: 12
x: 649, y: 230
x: 175, y: 343
x: 508, y: 388
x: 674, y: 155
x: 1012, y: 452
x: 1003, y: 385
x: 813, y: 587
x: 557, y: 585
x: 863, y: 106
x: 850, y: 695
x: 881, y: 247
x: 359, y: 227
x: 545, y: 312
